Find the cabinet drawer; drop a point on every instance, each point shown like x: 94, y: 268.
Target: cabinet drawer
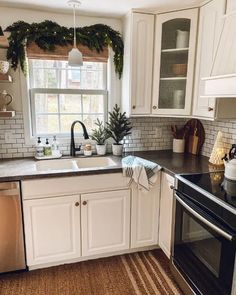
x: 40, y: 188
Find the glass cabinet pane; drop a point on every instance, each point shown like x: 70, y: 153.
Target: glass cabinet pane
x: 174, y: 63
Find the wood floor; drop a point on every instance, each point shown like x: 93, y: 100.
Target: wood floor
x: 144, y: 273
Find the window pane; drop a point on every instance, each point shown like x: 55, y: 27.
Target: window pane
x: 46, y: 124
x: 70, y: 103
x: 89, y: 121
x: 57, y: 74
x: 93, y: 103
x: 45, y: 78
x: 67, y: 120
x: 46, y: 103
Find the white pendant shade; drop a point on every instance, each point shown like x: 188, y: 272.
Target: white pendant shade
x: 75, y: 58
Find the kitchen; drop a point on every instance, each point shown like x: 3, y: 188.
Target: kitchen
x: 114, y: 203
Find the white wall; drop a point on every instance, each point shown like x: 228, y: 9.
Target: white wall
x: 10, y: 15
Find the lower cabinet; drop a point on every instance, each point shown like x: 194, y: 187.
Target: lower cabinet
x: 52, y: 229
x: 105, y: 220
x: 145, y: 216
x: 166, y: 207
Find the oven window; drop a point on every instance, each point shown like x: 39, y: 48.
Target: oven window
x: 202, y: 244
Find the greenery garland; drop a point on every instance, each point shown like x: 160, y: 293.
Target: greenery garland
x: 48, y: 34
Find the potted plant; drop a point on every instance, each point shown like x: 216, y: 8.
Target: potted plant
x: 100, y: 136
x: 117, y: 128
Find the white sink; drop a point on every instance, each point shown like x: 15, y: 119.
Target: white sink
x: 47, y: 165
x: 96, y: 162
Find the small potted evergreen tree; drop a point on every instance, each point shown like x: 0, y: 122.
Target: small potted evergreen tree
x: 118, y: 126
x: 100, y: 136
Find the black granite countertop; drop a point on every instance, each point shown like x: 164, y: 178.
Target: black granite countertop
x: 18, y: 169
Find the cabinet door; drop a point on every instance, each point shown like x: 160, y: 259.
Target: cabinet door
x: 210, y: 28
x: 105, y: 219
x: 142, y: 34
x: 175, y: 44
x: 145, y: 216
x: 52, y: 229
x: 166, y: 206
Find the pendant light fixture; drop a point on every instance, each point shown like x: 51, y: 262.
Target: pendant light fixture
x: 75, y: 58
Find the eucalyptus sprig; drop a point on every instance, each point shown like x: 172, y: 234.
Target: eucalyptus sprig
x: 48, y: 34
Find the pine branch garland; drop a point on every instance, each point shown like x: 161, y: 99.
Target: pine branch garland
x: 48, y: 34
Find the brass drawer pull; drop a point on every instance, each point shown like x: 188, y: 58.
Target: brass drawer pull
x: 210, y: 109
x: 77, y: 204
x: 84, y: 203
x: 133, y: 107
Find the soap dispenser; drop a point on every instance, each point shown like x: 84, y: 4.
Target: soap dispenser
x: 47, y: 148
x: 39, y: 148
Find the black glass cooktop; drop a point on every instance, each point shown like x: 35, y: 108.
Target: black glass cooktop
x: 215, y: 184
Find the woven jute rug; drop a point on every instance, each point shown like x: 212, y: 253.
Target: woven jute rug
x: 144, y: 273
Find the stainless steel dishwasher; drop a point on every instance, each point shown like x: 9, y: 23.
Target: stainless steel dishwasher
x: 12, y: 249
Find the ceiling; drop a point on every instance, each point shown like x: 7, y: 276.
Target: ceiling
x: 105, y: 8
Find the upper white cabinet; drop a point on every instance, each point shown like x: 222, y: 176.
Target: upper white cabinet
x: 231, y: 6
x: 138, y: 63
x: 210, y: 28
x: 166, y: 206
x: 175, y: 43
x: 105, y: 219
x: 52, y: 229
x: 145, y: 216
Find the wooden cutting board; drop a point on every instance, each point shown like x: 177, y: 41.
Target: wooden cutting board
x: 196, y: 136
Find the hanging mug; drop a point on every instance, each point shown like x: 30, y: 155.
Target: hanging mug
x: 6, y: 99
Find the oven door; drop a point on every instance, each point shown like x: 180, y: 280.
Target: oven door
x: 204, y: 248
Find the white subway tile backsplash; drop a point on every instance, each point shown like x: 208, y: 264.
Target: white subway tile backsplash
x: 149, y: 139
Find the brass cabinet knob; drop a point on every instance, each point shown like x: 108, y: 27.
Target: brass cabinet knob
x: 210, y: 109
x: 84, y: 203
x: 133, y: 107
x: 76, y: 204
x: 172, y: 187
x: 154, y: 107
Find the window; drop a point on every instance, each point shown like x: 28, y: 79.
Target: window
x: 61, y: 94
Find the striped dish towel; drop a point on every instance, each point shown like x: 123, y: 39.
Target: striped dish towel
x: 141, y: 171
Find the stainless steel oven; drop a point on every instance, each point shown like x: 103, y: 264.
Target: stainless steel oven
x: 204, y: 243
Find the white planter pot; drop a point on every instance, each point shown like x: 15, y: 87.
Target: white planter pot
x: 101, y: 149
x: 117, y: 149
x: 178, y: 145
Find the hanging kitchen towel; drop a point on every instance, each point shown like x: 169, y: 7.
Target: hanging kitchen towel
x: 141, y: 171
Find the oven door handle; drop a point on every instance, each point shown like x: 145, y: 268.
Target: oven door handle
x: 204, y: 220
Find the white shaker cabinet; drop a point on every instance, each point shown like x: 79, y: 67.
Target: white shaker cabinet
x: 145, y: 215
x: 138, y: 63
x: 175, y: 42
x: 105, y: 220
x: 166, y: 207
x: 210, y: 28
x: 52, y: 229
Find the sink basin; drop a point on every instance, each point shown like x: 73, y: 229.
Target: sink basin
x: 96, y: 162
x: 47, y: 165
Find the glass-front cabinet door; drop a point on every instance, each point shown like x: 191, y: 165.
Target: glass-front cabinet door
x: 174, y: 62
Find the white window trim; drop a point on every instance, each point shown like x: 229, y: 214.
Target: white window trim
x: 113, y: 97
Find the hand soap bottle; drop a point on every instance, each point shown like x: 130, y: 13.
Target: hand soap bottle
x: 55, y: 147
x: 39, y: 148
x: 47, y: 148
